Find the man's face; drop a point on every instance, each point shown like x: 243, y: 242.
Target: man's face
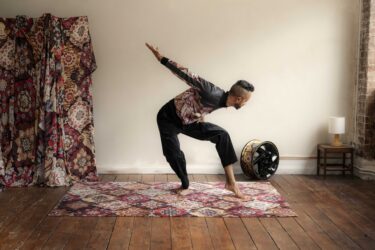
x: 240, y: 101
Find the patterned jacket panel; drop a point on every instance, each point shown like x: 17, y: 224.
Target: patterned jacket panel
x: 200, y: 99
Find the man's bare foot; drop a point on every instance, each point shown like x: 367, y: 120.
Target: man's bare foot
x: 182, y: 191
x: 234, y: 188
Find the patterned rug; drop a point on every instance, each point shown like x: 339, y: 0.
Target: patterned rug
x: 159, y: 199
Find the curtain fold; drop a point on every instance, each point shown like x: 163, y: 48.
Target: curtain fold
x: 46, y: 128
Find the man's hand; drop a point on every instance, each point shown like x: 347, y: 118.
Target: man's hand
x: 159, y: 56
x: 155, y: 51
x: 200, y: 117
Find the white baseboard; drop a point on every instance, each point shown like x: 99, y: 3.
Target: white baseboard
x: 363, y: 169
x: 295, y: 166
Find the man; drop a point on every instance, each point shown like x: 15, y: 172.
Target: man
x: 184, y: 114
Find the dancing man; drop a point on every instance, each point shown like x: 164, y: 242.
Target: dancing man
x: 185, y: 112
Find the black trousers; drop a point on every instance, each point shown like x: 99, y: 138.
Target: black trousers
x: 170, y: 126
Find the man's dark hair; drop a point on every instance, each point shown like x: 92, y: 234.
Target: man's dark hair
x: 241, y: 85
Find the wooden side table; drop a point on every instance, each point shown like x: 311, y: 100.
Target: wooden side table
x: 325, y: 152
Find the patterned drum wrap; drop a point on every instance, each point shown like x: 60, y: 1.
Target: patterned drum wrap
x: 259, y: 159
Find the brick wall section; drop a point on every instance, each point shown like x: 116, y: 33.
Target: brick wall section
x: 365, y: 95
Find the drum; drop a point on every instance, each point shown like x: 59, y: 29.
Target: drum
x: 259, y: 159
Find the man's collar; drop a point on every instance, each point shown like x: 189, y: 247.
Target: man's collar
x: 223, y: 100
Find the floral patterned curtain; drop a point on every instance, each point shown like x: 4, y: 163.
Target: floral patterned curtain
x: 46, y: 128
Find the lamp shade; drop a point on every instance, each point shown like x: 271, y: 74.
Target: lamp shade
x: 336, y: 125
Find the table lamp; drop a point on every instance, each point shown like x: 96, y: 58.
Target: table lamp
x: 336, y: 126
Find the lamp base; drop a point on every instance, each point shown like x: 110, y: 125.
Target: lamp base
x: 336, y: 141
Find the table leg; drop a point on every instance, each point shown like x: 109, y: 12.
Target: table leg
x: 318, y: 162
x: 343, y: 163
x: 352, y: 162
x: 325, y: 163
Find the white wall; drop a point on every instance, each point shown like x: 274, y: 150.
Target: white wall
x: 300, y: 55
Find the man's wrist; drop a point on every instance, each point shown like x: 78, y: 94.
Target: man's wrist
x: 164, y: 60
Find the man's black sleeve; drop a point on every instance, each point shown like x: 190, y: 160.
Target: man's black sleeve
x: 190, y: 78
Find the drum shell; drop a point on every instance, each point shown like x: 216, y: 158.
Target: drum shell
x: 248, y: 155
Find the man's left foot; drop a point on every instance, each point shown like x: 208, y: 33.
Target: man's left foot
x: 234, y: 188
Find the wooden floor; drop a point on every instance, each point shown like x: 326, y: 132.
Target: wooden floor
x: 335, y: 213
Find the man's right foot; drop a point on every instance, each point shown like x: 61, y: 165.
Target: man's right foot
x: 182, y: 191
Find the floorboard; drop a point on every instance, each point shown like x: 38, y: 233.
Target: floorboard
x: 337, y: 212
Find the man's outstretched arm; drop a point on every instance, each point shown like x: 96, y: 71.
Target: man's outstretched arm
x: 181, y: 72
